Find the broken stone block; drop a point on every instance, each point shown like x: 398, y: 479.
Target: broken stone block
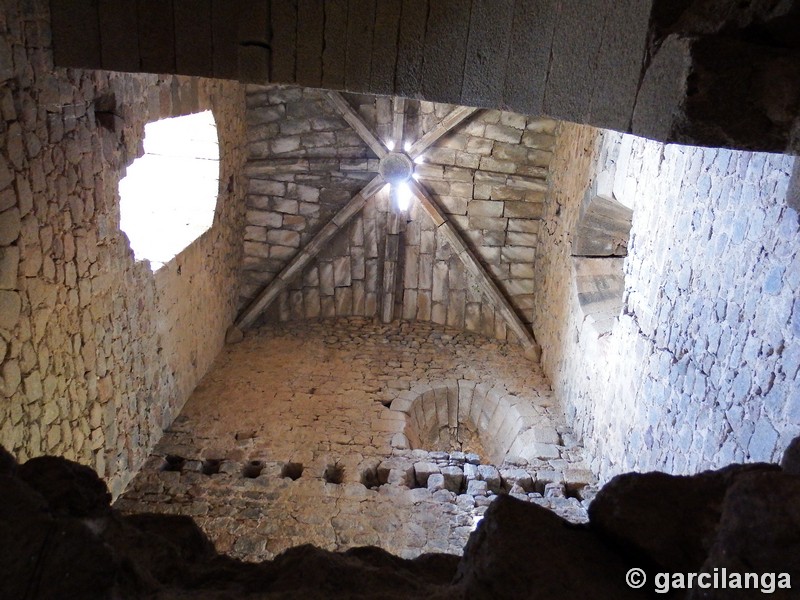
x: 443, y: 496
x: 491, y: 476
x: 484, y: 500
x: 554, y: 490
x: 465, y: 501
x: 457, y: 457
x: 395, y: 471
x: 435, y: 482
x: 578, y: 478
x: 473, y: 459
x: 401, y: 477
x: 471, y: 472
x: 423, y: 470
x: 516, y: 477
x: 453, y: 478
x: 477, y: 487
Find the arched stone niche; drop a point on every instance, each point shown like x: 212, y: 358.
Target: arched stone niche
x: 599, y: 246
x: 481, y: 418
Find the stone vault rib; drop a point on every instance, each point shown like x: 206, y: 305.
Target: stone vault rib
x: 306, y: 254
x: 429, y: 205
x: 453, y: 119
x: 361, y: 128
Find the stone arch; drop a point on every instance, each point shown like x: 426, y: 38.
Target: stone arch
x: 467, y: 416
x: 599, y: 246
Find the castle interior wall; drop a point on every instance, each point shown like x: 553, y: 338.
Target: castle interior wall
x: 98, y: 352
x: 701, y: 369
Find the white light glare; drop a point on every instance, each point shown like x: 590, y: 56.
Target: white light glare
x: 419, y: 160
x: 403, y: 193
x: 406, y: 146
x: 475, y: 520
x: 390, y: 145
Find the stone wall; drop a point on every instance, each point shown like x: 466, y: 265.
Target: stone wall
x: 312, y: 449
x: 98, y: 353
x: 701, y: 369
x: 488, y: 175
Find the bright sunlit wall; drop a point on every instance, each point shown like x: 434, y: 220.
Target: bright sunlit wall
x: 169, y: 195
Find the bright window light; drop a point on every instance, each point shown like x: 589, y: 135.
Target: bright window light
x: 390, y: 145
x: 419, y: 160
x: 403, y: 195
x: 406, y: 146
x: 169, y: 195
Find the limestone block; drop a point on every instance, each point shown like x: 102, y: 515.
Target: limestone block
x: 12, y: 376
x: 284, y: 238
x: 488, y: 223
x: 477, y: 487
x: 498, y: 166
x: 545, y: 435
x: 453, y: 478
x: 486, y: 208
x: 577, y: 478
x: 516, y: 478
x: 491, y: 476
x: 503, y: 133
x: 423, y: 470
x: 435, y: 482
x: 525, y: 210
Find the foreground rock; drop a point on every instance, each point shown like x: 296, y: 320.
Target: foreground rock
x: 669, y: 521
x: 59, y: 538
x: 525, y: 551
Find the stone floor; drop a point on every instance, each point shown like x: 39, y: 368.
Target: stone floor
x: 290, y: 440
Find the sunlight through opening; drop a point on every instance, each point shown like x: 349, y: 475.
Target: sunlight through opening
x: 169, y: 195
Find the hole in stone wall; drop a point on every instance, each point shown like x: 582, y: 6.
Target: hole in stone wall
x: 369, y: 478
x: 334, y: 473
x: 253, y: 469
x: 173, y: 462
x: 169, y: 195
x: 210, y: 466
x: 292, y: 470
x: 599, y: 246
x: 462, y: 438
x: 573, y: 491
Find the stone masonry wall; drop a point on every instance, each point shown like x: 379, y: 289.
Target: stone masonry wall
x: 701, y: 369
x: 97, y: 353
x: 313, y: 451
x: 305, y: 162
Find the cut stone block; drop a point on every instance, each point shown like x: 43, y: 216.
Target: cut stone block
x: 423, y: 470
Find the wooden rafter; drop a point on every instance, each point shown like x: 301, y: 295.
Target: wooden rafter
x: 473, y: 265
x: 306, y: 254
